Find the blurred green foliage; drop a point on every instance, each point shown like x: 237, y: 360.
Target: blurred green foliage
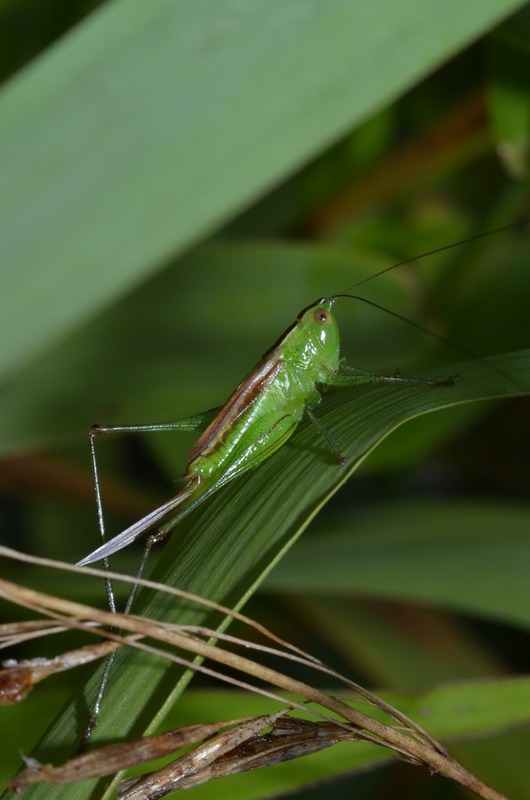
x: 178, y: 181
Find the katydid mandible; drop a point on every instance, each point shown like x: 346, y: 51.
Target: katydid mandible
x: 258, y: 418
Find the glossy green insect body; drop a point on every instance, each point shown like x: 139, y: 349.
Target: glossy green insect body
x: 267, y: 406
x: 258, y: 418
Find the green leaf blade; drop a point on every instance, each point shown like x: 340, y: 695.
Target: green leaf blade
x: 114, y: 159
x: 227, y: 547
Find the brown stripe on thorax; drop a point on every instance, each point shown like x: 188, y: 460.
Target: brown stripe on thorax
x: 247, y: 391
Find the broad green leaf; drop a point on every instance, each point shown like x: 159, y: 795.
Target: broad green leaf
x: 225, y: 549
x: 392, y: 643
x: 499, y: 761
x: 150, y: 124
x: 468, y: 557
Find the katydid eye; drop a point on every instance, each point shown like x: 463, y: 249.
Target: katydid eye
x: 321, y: 316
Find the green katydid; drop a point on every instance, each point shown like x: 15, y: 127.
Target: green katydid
x: 261, y: 414
x: 258, y: 418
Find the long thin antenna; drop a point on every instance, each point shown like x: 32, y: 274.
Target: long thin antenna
x: 411, y: 322
x: 521, y: 223
x: 456, y: 347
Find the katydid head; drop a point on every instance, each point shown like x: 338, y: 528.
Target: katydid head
x: 313, y: 341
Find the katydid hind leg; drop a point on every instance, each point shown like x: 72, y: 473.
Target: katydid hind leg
x: 96, y: 705
x: 193, y: 423
x: 197, y: 422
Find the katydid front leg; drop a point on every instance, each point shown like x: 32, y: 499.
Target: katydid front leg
x: 193, y: 423
x: 347, y: 376
x: 352, y: 376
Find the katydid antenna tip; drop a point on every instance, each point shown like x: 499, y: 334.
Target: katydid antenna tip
x: 522, y: 224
